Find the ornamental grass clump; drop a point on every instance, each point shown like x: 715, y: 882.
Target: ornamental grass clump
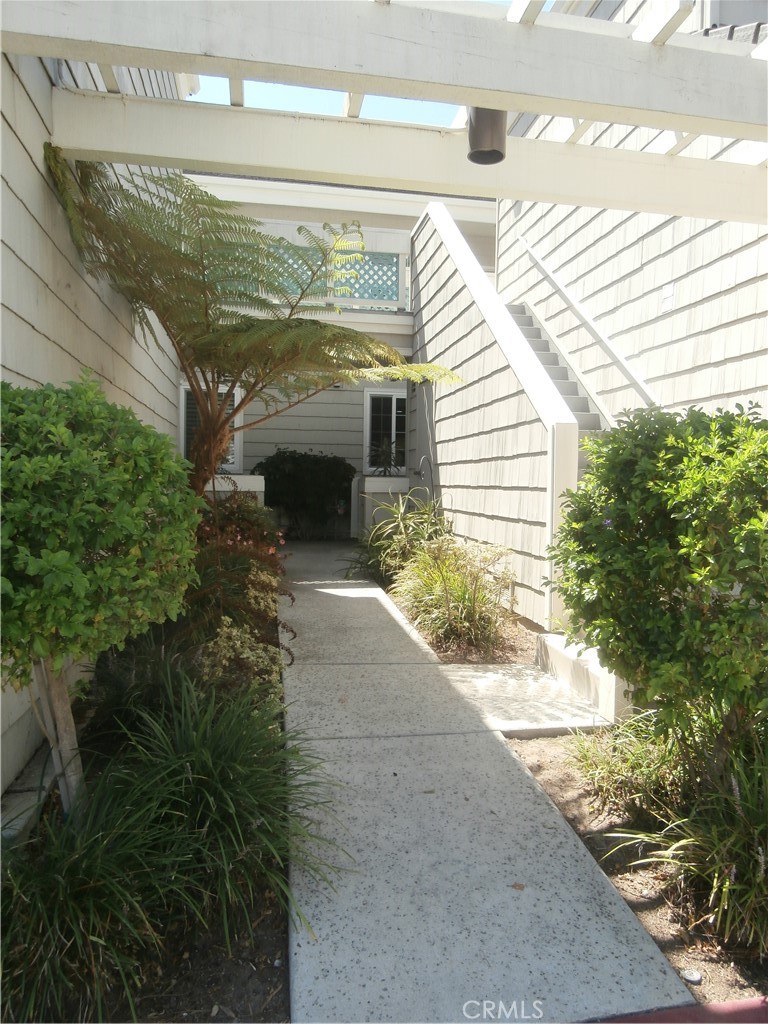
x: 453, y: 591
x: 401, y: 528
x: 200, y: 810
x: 632, y: 768
x: 716, y: 845
x: 244, y: 793
x: 84, y: 901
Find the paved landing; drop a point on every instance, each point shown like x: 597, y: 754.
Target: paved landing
x: 466, y: 896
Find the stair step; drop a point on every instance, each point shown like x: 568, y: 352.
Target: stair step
x: 577, y: 404
x: 566, y: 387
x: 558, y: 372
x: 588, y: 420
x: 539, y: 344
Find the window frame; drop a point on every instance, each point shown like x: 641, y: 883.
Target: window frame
x: 393, y: 394
x: 234, y: 468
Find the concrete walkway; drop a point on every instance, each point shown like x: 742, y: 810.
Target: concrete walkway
x: 468, y: 896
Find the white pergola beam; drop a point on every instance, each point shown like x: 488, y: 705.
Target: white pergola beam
x: 658, y: 27
x: 412, y: 52
x: 110, y: 78
x: 524, y: 12
x: 290, y: 147
x: 236, y: 92
x: 683, y: 142
x: 580, y: 129
x: 353, y: 103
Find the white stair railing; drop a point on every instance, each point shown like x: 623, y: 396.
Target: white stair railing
x: 603, y: 341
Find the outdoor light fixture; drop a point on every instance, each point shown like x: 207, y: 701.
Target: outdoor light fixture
x: 487, y: 135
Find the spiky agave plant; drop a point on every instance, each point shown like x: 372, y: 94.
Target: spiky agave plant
x: 238, y: 305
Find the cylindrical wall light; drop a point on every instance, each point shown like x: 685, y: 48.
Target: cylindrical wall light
x: 487, y: 135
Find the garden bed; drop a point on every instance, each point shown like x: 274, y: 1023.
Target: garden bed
x: 726, y: 974
x: 199, y: 981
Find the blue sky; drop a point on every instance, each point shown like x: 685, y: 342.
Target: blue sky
x: 298, y: 99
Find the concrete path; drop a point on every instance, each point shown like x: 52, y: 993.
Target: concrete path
x: 467, y: 896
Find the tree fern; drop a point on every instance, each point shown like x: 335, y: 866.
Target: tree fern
x: 237, y: 304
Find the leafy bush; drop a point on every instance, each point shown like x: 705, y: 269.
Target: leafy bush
x: 453, y: 592
x: 307, y: 486
x: 239, y: 520
x: 662, y: 556
x: 239, y: 565
x: 99, y: 525
x: 98, y: 537
x: 402, y: 528
x: 199, y: 812
x: 228, y: 634
x: 235, y: 659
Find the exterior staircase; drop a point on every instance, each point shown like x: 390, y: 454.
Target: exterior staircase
x: 579, y: 669
x: 561, y: 373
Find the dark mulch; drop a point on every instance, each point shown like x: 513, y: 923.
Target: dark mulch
x: 198, y: 980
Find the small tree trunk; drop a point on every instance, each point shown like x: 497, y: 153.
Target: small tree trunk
x: 66, y: 735
x: 209, y: 450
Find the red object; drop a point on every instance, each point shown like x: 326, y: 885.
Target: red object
x: 743, y: 1011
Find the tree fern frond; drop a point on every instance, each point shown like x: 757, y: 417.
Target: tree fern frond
x: 237, y: 303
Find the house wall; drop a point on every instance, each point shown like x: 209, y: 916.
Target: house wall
x: 483, y: 440
x: 684, y: 301
x: 331, y: 423
x: 56, y: 321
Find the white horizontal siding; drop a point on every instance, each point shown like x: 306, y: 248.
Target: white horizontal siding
x: 56, y: 321
x: 684, y: 301
x: 331, y: 423
x: 487, y: 446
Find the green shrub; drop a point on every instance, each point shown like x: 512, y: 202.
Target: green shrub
x: 402, y: 528
x: 235, y: 659
x: 200, y: 810
x: 98, y: 538
x: 229, y: 632
x: 239, y: 565
x: 98, y: 525
x: 453, y: 592
x: 239, y: 519
x: 308, y: 486
x: 661, y: 559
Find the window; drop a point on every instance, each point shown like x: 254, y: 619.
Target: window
x: 190, y: 421
x: 384, y: 434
